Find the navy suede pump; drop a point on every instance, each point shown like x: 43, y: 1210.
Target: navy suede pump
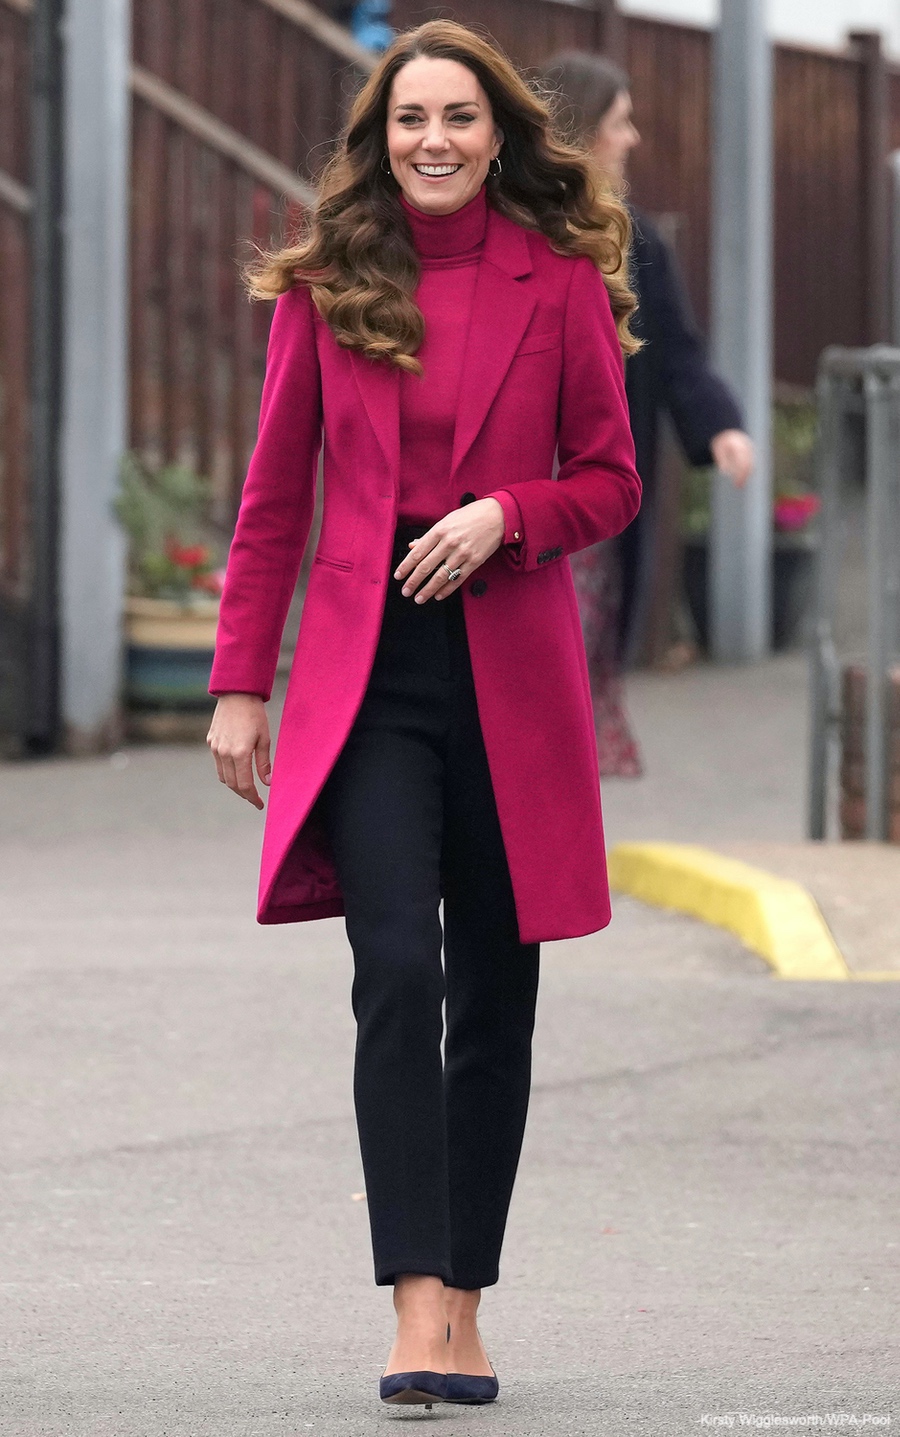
x: 414, y: 1387
x: 474, y: 1391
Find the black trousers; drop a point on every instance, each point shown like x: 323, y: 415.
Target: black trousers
x: 410, y: 812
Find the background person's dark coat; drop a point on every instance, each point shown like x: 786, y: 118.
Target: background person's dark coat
x: 670, y: 373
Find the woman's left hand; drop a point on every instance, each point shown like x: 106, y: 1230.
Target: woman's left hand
x: 461, y: 540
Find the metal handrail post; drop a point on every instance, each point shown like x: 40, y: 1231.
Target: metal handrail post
x: 894, y: 167
x: 824, y: 671
x: 857, y: 385
x: 878, y: 434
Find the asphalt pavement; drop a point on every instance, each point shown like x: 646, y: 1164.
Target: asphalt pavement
x: 704, y: 1233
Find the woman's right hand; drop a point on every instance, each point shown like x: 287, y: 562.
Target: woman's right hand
x: 734, y: 455
x: 239, y: 732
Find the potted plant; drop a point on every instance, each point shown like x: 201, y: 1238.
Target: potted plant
x: 174, y: 583
x: 794, y: 532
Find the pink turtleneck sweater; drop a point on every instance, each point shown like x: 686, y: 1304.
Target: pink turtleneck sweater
x: 449, y: 249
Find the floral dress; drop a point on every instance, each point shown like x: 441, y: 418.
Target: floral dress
x: 597, y: 575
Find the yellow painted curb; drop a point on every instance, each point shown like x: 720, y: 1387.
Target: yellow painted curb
x: 877, y: 975
x: 775, y: 917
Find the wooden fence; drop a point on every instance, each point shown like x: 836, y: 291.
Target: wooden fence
x: 835, y: 117
x: 529, y: 30
x: 252, y: 88
x: 821, y: 267
x: 236, y: 103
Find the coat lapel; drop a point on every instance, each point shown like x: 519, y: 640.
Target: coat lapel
x: 379, y: 388
x: 501, y: 310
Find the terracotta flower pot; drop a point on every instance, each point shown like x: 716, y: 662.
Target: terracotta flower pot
x: 169, y: 652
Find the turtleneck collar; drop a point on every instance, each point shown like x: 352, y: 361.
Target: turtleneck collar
x: 438, y: 237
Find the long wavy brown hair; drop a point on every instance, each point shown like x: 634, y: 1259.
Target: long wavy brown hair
x: 357, y: 254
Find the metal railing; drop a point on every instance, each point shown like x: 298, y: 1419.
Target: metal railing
x: 858, y: 395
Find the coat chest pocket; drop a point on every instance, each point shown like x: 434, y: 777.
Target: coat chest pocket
x: 537, y: 343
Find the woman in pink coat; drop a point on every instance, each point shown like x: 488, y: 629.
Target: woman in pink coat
x: 454, y: 319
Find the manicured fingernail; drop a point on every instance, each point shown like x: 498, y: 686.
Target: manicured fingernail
x: 396, y: 573
x: 420, y: 598
x: 406, y: 592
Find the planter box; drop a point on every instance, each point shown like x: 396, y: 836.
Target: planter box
x: 793, y: 574
x: 169, y: 653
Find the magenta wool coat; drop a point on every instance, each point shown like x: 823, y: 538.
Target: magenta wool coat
x: 542, y: 374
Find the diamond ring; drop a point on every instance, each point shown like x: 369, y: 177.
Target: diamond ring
x: 452, y: 574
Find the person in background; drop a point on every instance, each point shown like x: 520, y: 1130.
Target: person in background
x: 369, y: 22
x: 671, y: 372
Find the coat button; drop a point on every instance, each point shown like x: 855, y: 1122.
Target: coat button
x: 468, y: 499
x: 479, y: 587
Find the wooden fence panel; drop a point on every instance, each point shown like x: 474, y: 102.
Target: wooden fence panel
x: 819, y: 264
x: 894, y: 107
x: 252, y: 68
x: 669, y: 172
x: 528, y: 30
x: 197, y: 343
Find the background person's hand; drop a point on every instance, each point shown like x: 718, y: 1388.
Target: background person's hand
x: 734, y: 455
x: 461, y: 540
x: 238, y: 734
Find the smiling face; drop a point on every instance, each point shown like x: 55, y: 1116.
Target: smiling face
x: 441, y: 135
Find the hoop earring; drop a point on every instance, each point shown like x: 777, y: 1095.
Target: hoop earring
x: 386, y: 167
x: 495, y: 174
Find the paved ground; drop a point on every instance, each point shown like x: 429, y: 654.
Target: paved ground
x: 726, y: 767
x: 705, y: 1221
x: 725, y: 752
x: 856, y: 886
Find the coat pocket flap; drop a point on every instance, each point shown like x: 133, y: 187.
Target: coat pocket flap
x: 534, y: 343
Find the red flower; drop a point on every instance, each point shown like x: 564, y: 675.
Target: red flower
x: 795, y: 511
x: 209, y: 583
x: 187, y: 556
